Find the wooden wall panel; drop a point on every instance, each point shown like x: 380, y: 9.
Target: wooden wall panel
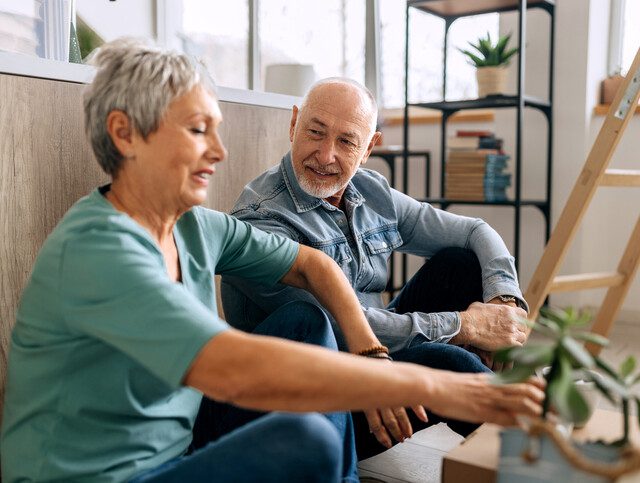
x: 46, y: 165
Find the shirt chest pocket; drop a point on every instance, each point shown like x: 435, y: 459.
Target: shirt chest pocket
x: 378, y: 246
x: 382, y: 242
x: 341, y: 254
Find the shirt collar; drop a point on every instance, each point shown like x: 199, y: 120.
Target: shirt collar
x: 304, y: 201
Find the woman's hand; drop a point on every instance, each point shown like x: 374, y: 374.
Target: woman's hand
x: 394, y: 421
x: 474, y: 398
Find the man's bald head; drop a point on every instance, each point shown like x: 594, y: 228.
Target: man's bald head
x: 346, y: 91
x: 332, y: 134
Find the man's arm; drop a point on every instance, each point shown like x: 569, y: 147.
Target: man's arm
x: 426, y: 230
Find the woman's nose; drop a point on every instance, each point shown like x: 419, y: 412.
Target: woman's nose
x: 216, y: 152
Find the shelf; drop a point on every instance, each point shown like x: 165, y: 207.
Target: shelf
x: 541, y: 204
x: 463, y: 8
x: 491, y: 102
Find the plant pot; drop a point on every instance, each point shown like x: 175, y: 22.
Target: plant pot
x: 491, y: 80
x: 551, y: 464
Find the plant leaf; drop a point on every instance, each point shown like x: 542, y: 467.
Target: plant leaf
x: 534, y: 355
x: 517, y: 374
x: 560, y: 317
x: 596, y: 378
x: 565, y: 397
x: 606, y: 368
x: 505, y: 57
x: 612, y: 384
x: 474, y: 58
x: 503, y: 354
x: 578, y: 352
x: 591, y: 337
x: 627, y: 366
x: 502, y: 43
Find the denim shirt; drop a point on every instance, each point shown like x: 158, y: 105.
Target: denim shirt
x: 376, y: 221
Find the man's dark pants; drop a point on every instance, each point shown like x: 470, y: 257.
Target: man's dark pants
x: 449, y: 281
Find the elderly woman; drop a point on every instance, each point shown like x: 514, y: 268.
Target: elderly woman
x: 117, y: 336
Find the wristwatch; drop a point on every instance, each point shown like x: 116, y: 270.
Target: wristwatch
x: 508, y: 298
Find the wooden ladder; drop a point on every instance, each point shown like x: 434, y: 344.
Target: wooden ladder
x: 594, y: 174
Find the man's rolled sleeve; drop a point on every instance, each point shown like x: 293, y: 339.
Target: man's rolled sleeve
x: 398, y: 331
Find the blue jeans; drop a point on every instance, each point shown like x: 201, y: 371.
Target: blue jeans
x: 275, y: 448
x: 297, y: 321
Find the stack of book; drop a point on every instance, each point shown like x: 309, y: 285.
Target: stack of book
x: 475, y: 167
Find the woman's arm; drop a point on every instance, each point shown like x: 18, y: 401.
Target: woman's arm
x: 317, y: 273
x: 268, y: 373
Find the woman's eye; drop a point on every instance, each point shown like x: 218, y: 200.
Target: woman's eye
x: 197, y: 130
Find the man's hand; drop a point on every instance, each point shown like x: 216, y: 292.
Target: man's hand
x: 394, y: 421
x: 491, y: 326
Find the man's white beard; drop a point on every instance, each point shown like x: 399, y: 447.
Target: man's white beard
x: 317, y: 190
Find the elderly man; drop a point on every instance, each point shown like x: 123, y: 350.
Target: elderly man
x: 466, y: 294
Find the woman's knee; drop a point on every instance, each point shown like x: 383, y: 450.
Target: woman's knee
x: 314, y: 447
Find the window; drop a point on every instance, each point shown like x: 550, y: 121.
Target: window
x: 322, y: 38
x: 425, y: 54
x: 630, y: 33
x: 217, y: 31
x: 38, y: 28
x: 329, y: 35
x: 239, y: 40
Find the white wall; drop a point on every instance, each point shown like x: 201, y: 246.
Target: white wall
x: 580, y: 64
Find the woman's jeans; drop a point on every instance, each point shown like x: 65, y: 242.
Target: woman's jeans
x: 449, y: 281
x: 232, y: 444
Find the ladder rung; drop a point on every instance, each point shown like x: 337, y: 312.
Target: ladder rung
x: 621, y: 177
x: 585, y: 281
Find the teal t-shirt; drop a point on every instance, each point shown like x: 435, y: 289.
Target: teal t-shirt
x: 103, y: 339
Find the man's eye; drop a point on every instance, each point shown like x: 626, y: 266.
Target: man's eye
x: 315, y: 132
x: 347, y: 142
x: 197, y: 130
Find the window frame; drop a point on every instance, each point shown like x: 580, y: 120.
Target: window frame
x: 616, y: 37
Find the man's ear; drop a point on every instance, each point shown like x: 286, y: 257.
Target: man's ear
x: 120, y: 131
x: 374, y: 140
x: 292, y: 125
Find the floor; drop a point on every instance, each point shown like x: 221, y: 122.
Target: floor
x: 419, y: 459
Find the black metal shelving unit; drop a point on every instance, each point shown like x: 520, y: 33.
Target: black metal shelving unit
x: 450, y: 11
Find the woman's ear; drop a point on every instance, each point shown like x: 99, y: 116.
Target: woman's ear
x: 120, y: 130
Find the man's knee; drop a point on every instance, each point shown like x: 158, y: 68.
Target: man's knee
x: 313, y: 447
x: 442, y: 356
x: 456, y: 257
x: 311, y: 323
x: 462, y: 360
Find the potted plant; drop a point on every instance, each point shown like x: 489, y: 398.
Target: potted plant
x: 491, y: 61
x: 549, y: 454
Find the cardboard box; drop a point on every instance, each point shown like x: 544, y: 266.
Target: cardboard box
x: 476, y: 459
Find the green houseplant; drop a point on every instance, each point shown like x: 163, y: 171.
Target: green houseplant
x: 490, y: 60
x: 565, y: 358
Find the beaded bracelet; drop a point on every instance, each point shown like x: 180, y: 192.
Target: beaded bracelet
x: 376, y: 349
x: 380, y: 355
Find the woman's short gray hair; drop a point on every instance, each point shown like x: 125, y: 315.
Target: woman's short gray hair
x: 141, y: 80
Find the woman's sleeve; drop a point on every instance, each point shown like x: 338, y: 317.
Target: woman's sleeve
x: 114, y: 287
